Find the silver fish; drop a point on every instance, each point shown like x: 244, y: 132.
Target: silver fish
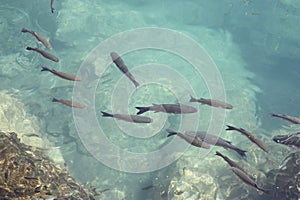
x: 168, y: 108
x: 251, y: 137
x: 217, y: 141
x: 195, y: 141
x: 233, y: 163
x: 51, y: 6
x: 292, y: 140
x: 41, y: 39
x: 246, y: 179
x: 294, y: 120
x: 121, y: 65
x: 69, y: 103
x: 63, y: 75
x: 44, y: 53
x: 128, y: 118
x: 212, y: 102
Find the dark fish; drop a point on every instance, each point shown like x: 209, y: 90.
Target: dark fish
x: 41, y: 39
x: 294, y: 120
x: 233, y: 163
x: 168, y: 108
x: 51, y: 6
x: 246, y: 179
x: 193, y: 140
x: 63, y: 75
x: 292, y: 140
x: 148, y: 187
x: 212, y: 102
x: 251, y: 137
x: 69, y: 103
x: 44, y: 53
x: 128, y: 118
x: 121, y: 65
x: 217, y: 141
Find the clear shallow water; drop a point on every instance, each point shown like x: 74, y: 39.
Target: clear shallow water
x: 254, y: 45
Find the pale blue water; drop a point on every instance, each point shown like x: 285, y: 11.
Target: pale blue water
x: 254, y: 44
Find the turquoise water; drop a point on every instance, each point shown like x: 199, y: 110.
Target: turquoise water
x: 253, y: 44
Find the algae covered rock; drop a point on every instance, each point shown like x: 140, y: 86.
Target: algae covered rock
x: 27, y: 174
x: 287, y: 179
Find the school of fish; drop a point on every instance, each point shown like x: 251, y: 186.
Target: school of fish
x: 199, y: 139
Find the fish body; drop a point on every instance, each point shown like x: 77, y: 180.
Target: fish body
x: 63, y: 75
x: 51, y: 6
x: 44, y: 54
x: 128, y: 118
x: 193, y: 140
x: 294, y: 120
x: 121, y: 65
x: 168, y: 108
x: 212, y: 102
x: 69, y: 103
x: 251, y: 137
x: 233, y: 163
x: 217, y: 141
x: 292, y: 140
x: 246, y: 179
x: 41, y: 39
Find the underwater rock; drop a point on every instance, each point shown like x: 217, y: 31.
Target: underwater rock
x: 28, y: 174
x: 13, y: 118
x: 287, y: 179
x: 192, y: 184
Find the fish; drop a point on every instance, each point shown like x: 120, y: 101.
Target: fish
x: 51, y: 6
x: 148, y: 187
x: 233, y: 163
x: 69, y: 103
x: 193, y: 140
x: 41, y: 39
x: 168, y: 108
x: 63, y: 75
x: 121, y: 65
x: 246, y: 179
x: 250, y: 136
x: 44, y: 53
x: 294, y: 120
x: 217, y: 141
x: 212, y: 102
x: 128, y: 118
x: 292, y: 140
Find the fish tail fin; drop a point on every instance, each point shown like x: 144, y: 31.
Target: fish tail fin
x: 171, y: 132
x: 55, y: 100
x: 29, y: 48
x: 267, y: 191
x: 136, y: 84
x: 52, y: 10
x: 218, y: 154
x: 230, y: 128
x: 193, y: 99
x: 105, y: 114
x: 241, y: 152
x: 44, y: 68
x: 272, y: 114
x: 24, y: 30
x: 142, y: 110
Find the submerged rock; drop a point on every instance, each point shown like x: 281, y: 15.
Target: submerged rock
x: 27, y: 174
x: 287, y: 179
